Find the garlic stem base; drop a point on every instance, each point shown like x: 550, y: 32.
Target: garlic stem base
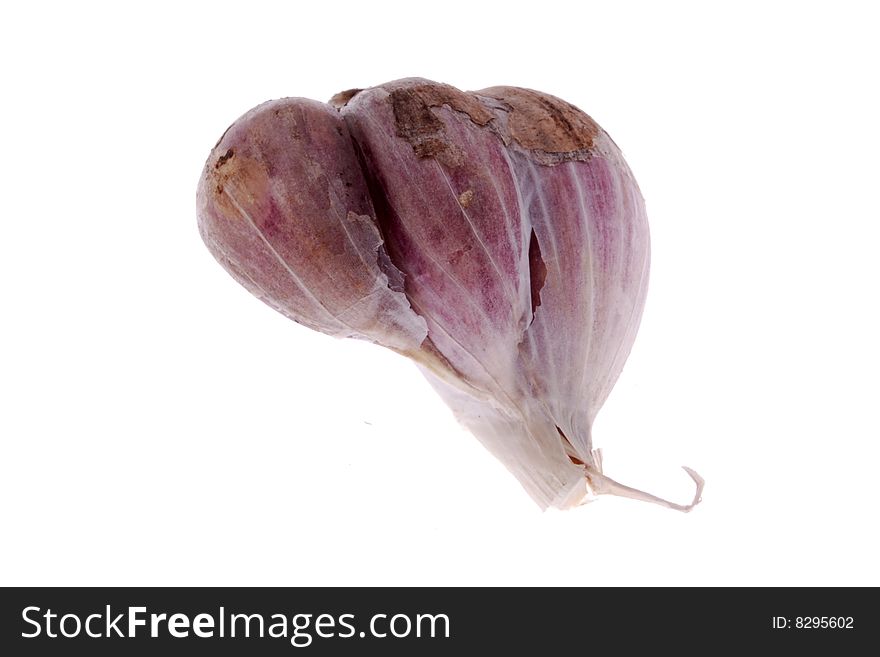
x: 598, y: 483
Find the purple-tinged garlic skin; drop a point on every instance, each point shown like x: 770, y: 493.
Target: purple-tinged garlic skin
x: 497, y: 238
x: 283, y: 207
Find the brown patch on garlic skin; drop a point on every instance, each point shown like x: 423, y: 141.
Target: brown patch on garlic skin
x: 553, y: 130
x: 549, y: 129
x: 417, y: 124
x: 245, y: 173
x: 465, y: 198
x: 228, y: 155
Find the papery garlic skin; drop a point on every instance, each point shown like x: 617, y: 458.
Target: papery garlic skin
x: 283, y: 207
x: 497, y: 238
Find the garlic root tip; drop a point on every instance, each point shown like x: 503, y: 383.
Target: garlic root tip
x: 601, y: 484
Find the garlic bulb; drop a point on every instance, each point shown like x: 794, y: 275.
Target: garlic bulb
x: 496, y: 238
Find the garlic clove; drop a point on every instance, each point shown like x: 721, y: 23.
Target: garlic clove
x: 283, y: 206
x: 450, y: 218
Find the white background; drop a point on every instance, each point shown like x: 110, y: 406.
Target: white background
x: 161, y: 426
